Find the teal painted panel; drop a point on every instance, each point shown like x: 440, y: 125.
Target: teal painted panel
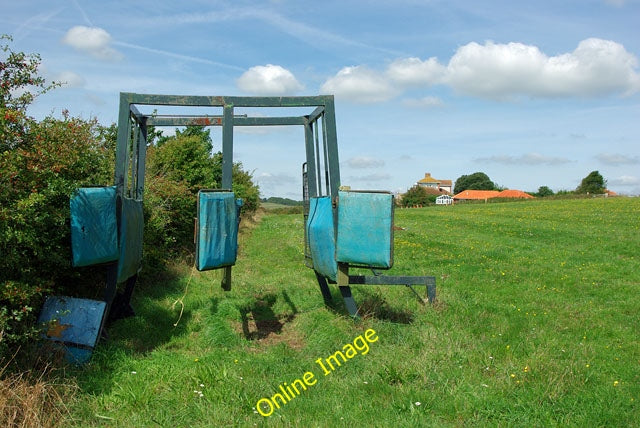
x: 73, y: 324
x: 217, y: 229
x: 94, y: 228
x: 365, y: 229
x: 131, y: 234
x: 321, y: 235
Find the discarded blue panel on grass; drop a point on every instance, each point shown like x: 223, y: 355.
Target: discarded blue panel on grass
x: 73, y: 324
x: 94, y: 228
x: 365, y: 229
x: 131, y: 234
x: 217, y: 229
x: 321, y: 235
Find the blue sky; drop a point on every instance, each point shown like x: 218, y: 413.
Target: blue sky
x: 531, y: 93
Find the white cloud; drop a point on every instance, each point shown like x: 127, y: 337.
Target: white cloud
x: 617, y: 159
x: 272, y: 180
x: 493, y: 70
x: 415, y: 72
x: 70, y: 79
x: 625, y: 180
x: 359, y: 84
x: 92, y: 40
x: 275, y: 183
x: 498, y: 71
x: 526, y: 159
x: 426, y: 102
x: 362, y: 162
x: 269, y: 80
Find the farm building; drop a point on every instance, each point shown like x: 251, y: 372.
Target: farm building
x: 514, y: 194
x: 443, y: 186
x: 475, y: 195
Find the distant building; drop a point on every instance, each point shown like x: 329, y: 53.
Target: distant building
x: 442, y: 186
x: 475, y: 195
x: 468, y: 195
x: 514, y: 194
x: 444, y: 200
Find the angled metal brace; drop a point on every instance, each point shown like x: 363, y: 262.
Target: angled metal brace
x: 409, y: 281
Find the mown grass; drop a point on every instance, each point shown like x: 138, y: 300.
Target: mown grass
x: 536, y: 324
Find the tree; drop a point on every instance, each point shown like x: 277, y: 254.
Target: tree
x: 41, y: 165
x: 20, y: 83
x: 544, y: 191
x: 417, y: 195
x: 186, y: 157
x: 475, y: 181
x: 177, y: 168
x: 593, y: 183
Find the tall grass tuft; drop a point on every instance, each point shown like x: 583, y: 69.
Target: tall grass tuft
x: 34, y: 400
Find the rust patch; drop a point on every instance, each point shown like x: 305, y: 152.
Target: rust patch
x: 56, y: 329
x: 206, y: 121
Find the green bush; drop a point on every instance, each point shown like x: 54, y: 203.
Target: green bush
x: 41, y: 164
x: 169, y: 210
x: 417, y: 196
x: 177, y: 168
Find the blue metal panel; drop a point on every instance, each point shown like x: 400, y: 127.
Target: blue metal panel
x: 217, y: 229
x: 131, y: 234
x: 94, y: 236
x: 365, y: 229
x: 321, y: 235
x: 74, y: 324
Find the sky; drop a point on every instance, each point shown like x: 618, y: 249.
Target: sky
x: 531, y: 93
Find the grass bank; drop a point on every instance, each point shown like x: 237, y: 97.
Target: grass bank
x: 537, y: 324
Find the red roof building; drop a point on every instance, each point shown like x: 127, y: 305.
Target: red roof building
x: 475, y: 195
x: 471, y: 195
x: 514, y: 194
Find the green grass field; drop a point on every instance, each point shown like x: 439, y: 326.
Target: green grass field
x: 537, y: 324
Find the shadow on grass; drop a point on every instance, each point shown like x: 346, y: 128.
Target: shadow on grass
x: 370, y: 305
x: 153, y: 325
x: 259, y: 319
x: 374, y: 306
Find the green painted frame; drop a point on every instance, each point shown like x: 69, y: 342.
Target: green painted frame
x: 321, y: 170
x: 322, y: 161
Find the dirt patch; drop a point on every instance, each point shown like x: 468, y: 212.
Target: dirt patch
x: 270, y: 332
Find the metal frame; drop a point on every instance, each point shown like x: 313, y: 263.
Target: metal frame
x: 321, y: 170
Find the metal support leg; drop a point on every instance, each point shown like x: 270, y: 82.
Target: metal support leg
x: 324, y: 288
x: 121, y: 305
x: 431, y: 288
x: 226, y: 279
x: 110, y: 290
x: 350, y: 304
x: 110, y: 287
x: 128, y: 291
x: 345, y: 290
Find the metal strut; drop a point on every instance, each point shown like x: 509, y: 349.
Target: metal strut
x: 345, y: 280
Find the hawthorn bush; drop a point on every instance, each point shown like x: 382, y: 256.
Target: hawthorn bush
x: 41, y: 164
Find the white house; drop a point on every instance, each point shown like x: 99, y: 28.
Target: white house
x: 444, y: 200
x: 441, y: 185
